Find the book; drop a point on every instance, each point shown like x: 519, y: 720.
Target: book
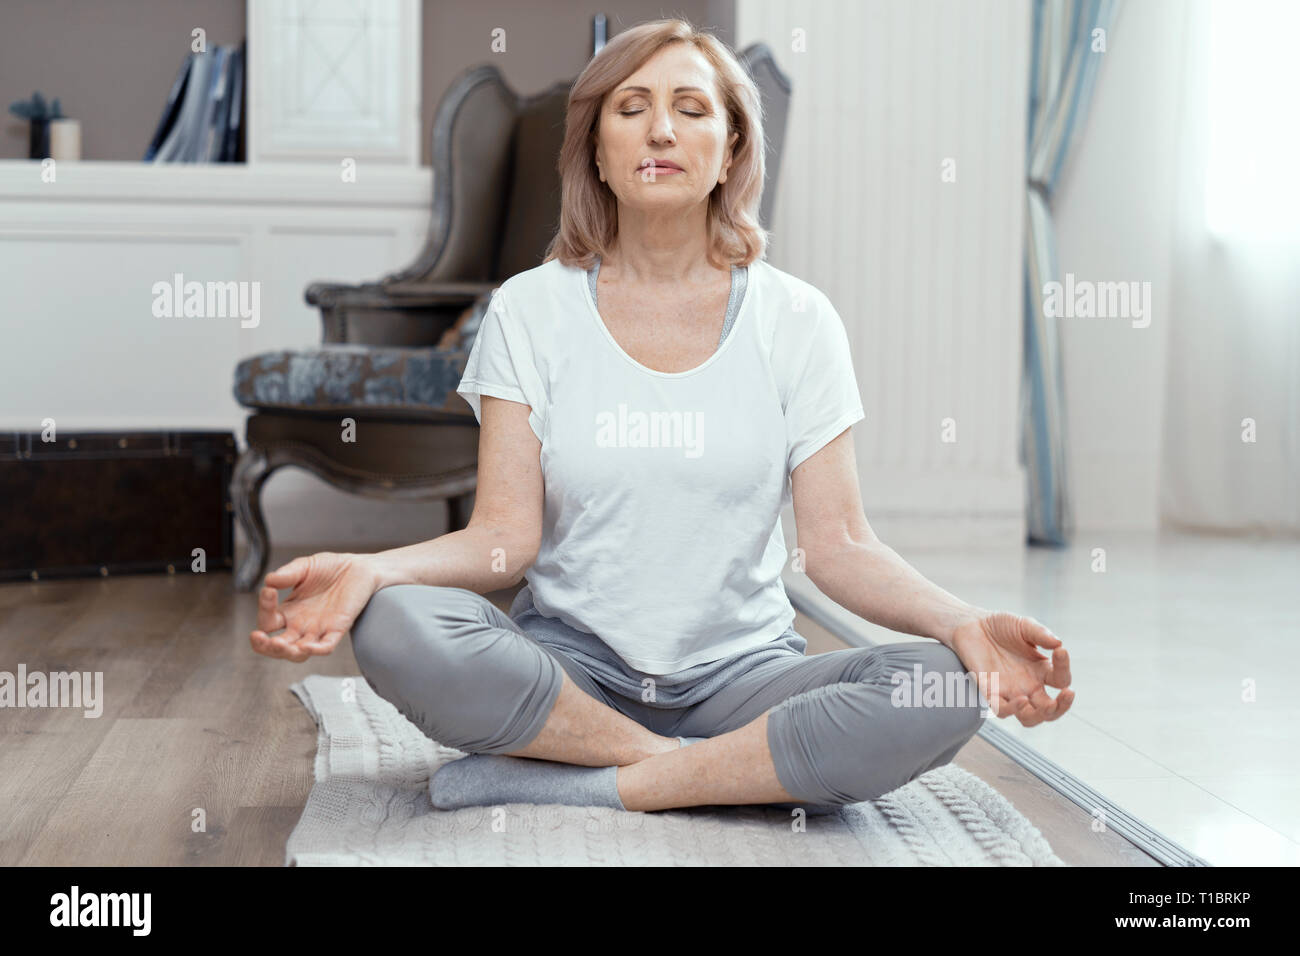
x: 235, y: 120
x: 203, y: 119
x: 170, y: 109
x: 213, y: 131
x: 180, y: 142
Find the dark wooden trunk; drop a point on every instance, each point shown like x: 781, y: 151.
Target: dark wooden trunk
x: 105, y: 503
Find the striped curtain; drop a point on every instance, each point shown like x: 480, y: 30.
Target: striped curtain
x: 1061, y: 76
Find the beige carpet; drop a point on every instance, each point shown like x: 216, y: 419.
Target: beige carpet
x: 369, y: 806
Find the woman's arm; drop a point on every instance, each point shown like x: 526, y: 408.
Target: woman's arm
x: 500, y: 542
x: 854, y: 568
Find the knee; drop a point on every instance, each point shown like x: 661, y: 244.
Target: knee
x: 413, y: 644
x: 961, y: 695
x: 933, y: 708
x: 383, y: 616
x: 930, y: 676
x: 868, y: 733
x: 405, y: 626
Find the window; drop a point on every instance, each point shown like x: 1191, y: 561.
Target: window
x: 1252, y: 182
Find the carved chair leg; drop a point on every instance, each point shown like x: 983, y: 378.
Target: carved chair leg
x: 251, y: 472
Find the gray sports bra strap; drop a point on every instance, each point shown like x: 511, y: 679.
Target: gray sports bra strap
x: 739, y: 280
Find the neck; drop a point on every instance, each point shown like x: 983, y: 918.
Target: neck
x: 661, y: 246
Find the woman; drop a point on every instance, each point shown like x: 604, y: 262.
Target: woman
x: 649, y: 398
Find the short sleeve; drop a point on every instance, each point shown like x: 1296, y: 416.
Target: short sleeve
x: 502, y: 364
x: 822, y: 398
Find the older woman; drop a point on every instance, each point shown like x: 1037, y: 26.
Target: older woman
x: 649, y: 399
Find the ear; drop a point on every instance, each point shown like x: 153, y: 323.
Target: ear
x: 595, y: 154
x: 726, y: 162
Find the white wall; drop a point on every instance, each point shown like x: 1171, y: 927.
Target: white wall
x: 925, y: 272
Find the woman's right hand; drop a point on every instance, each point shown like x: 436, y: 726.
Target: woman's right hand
x: 329, y: 593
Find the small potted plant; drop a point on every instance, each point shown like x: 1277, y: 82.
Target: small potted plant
x: 39, y: 115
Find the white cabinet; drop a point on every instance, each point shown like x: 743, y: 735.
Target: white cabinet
x: 334, y: 79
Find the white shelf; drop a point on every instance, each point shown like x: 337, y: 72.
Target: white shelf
x: 317, y: 183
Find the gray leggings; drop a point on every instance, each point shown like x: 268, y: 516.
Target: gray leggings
x: 474, y: 678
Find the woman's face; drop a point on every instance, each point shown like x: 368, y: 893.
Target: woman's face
x: 667, y: 112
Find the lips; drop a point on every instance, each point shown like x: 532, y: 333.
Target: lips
x: 661, y: 164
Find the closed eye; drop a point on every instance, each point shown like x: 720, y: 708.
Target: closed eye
x: 634, y: 112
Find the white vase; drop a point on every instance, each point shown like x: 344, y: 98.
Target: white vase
x: 65, y: 139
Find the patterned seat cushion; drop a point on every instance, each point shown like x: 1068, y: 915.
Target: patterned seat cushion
x: 383, y: 381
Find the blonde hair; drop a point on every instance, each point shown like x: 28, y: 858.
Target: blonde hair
x: 589, y: 209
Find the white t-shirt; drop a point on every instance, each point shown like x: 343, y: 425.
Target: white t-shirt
x: 661, y: 530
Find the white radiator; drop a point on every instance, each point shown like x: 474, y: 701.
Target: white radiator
x: 925, y: 268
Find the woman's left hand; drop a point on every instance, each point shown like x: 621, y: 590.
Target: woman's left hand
x: 1007, y: 645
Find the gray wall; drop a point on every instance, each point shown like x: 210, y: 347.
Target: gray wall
x: 546, y: 40
x: 112, y: 62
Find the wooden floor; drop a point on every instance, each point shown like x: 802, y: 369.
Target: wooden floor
x: 195, y: 723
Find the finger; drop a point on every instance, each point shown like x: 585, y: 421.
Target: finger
x: 258, y: 640
x: 1010, y: 706
x: 288, y: 576
x: 1058, y: 675
x: 325, y: 644
x: 1043, y: 701
x: 1028, y: 715
x: 1063, y: 701
x: 269, y: 617
x: 284, y: 642
x: 1042, y: 706
x: 302, y: 644
x: 264, y: 643
x: 1040, y: 634
x: 296, y: 654
x: 1002, y: 707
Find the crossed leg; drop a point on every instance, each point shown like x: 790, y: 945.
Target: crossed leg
x: 822, y: 730
x: 462, y: 671
x: 819, y: 729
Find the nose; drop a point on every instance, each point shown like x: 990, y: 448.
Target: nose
x: 661, y: 127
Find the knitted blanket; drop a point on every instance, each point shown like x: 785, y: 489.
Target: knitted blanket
x: 370, y: 806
